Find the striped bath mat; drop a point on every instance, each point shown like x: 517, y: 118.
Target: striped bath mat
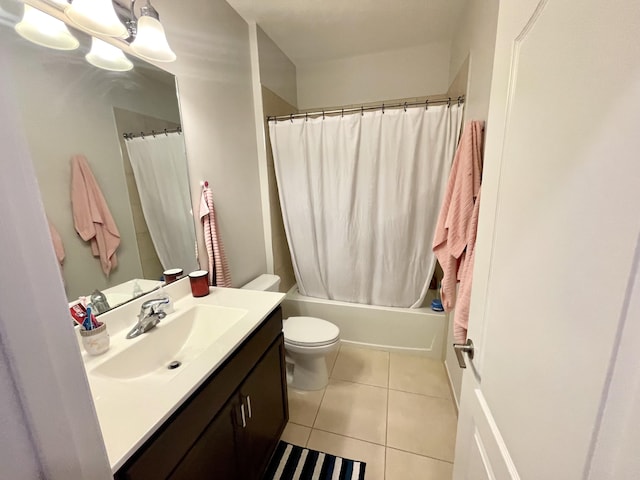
x: 291, y: 462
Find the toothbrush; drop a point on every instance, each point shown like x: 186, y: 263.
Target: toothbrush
x: 87, y: 324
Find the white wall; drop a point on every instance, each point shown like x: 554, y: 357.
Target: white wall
x: 475, y: 38
x: 277, y: 72
x: 411, y: 72
x: 213, y: 71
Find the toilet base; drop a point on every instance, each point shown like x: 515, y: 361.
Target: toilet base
x: 309, y: 371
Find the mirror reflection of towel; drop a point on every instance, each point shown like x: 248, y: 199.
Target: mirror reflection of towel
x: 91, y: 216
x: 57, y: 242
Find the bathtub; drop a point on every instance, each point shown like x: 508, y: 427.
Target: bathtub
x: 412, y: 330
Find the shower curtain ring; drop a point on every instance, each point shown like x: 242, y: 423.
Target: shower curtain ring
x: 342, y: 113
x: 449, y: 102
x: 306, y: 117
x: 362, y: 110
x: 142, y: 135
x: 153, y: 132
x: 165, y: 133
x: 383, y: 108
x: 291, y: 117
x: 459, y: 100
x: 323, y: 114
x: 426, y: 104
x: 405, y: 107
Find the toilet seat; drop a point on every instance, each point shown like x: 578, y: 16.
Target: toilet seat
x: 309, y: 332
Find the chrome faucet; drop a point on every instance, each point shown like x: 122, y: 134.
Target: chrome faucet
x: 151, y: 312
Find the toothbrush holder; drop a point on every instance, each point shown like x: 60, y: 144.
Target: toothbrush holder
x: 95, y: 341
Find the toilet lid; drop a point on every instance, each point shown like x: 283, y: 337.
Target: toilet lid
x: 309, y: 331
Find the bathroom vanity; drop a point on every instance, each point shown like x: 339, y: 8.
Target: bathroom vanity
x: 220, y: 413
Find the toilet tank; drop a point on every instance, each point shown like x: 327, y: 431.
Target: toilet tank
x: 265, y: 282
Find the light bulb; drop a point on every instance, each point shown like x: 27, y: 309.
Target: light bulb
x: 106, y: 56
x: 96, y: 16
x: 42, y: 29
x: 151, y: 42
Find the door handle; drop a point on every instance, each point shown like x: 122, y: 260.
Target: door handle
x: 244, y: 419
x: 460, y: 349
x: 249, y: 405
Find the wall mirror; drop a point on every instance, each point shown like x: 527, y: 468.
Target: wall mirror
x: 70, y: 107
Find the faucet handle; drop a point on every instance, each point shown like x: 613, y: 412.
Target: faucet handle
x: 155, y: 306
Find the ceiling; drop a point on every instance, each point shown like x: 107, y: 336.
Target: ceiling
x: 309, y: 31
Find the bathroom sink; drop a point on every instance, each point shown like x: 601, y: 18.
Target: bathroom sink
x: 179, y: 338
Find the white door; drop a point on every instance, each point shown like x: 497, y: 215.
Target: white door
x: 559, y: 223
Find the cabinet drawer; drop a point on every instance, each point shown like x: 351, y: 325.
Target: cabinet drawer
x: 164, y: 450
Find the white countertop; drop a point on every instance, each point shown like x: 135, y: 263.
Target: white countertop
x: 131, y: 410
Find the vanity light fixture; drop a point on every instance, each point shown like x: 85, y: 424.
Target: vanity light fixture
x: 96, y: 16
x: 45, y: 30
x: 107, y: 57
x: 150, y: 39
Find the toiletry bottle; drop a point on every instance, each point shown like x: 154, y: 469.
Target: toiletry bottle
x: 137, y: 290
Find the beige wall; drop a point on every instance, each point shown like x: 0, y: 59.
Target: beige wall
x: 213, y: 73
x: 274, y: 105
x: 472, y: 58
x: 277, y: 72
x: 474, y: 42
x: 410, y: 72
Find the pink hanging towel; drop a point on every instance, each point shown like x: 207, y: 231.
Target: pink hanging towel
x: 91, y: 216
x: 58, y: 246
x: 452, y: 231
x: 219, y: 274
x: 463, y: 302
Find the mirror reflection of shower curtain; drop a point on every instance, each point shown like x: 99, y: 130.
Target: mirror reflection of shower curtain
x: 160, y: 169
x: 360, y: 197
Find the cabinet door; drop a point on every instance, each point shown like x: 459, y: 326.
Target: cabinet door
x: 214, y: 456
x: 264, y: 400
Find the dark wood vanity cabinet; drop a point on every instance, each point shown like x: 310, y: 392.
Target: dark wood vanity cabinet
x: 230, y: 427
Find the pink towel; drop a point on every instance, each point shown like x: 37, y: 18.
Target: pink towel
x: 463, y: 302
x: 455, y: 216
x: 91, y: 215
x: 219, y: 274
x: 58, y: 247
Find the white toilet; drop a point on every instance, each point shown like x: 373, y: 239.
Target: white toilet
x: 307, y: 341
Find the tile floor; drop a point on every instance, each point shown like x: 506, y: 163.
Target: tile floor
x: 391, y: 410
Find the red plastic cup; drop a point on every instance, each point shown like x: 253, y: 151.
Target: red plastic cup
x: 199, y: 283
x: 172, y: 275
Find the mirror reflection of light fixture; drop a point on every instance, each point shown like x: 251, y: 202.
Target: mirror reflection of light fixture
x: 45, y: 30
x: 107, y: 57
x: 150, y: 39
x: 96, y: 16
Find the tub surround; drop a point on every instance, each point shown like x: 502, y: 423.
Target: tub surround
x: 130, y: 410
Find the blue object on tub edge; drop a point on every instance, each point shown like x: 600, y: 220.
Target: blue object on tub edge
x: 436, y: 305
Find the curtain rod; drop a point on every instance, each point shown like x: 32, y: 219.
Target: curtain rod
x: 152, y: 133
x: 362, y: 109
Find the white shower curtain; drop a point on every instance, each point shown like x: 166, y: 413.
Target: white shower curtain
x: 360, y: 197
x: 160, y: 169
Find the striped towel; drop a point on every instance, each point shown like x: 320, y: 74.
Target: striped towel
x: 219, y: 274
